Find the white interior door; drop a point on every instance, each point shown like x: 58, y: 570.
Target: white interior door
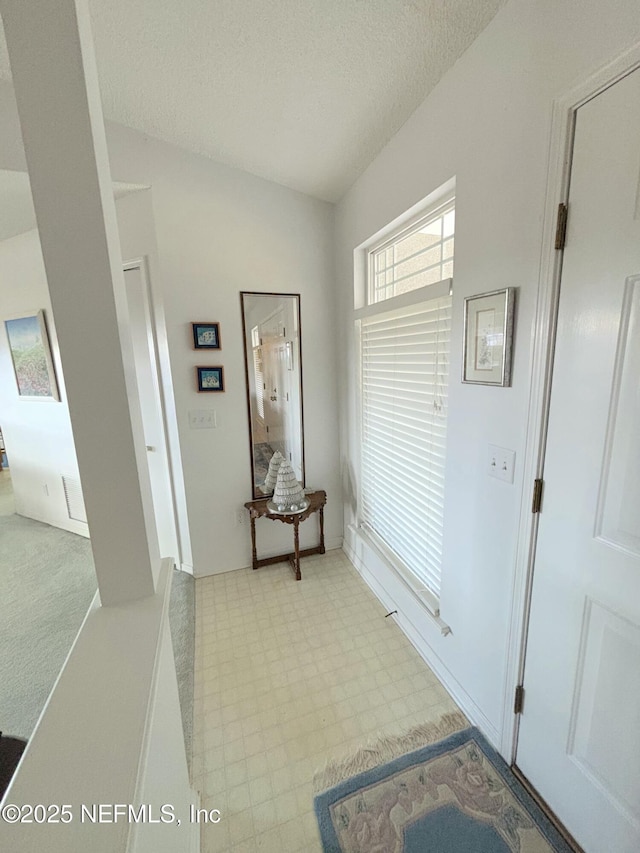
x: 148, y: 384
x: 579, y: 738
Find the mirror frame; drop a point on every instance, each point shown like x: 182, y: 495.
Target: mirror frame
x: 244, y: 293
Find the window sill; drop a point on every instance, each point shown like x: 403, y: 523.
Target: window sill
x: 427, y: 600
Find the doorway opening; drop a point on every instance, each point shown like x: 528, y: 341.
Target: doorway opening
x: 145, y: 374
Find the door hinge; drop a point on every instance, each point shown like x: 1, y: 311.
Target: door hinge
x: 518, y: 701
x: 537, y: 495
x: 561, y: 226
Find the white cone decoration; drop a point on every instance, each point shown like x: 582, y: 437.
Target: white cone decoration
x: 288, y: 494
x: 274, y: 466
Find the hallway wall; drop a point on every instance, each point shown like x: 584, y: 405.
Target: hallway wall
x: 487, y: 124
x: 37, y: 433
x: 220, y: 231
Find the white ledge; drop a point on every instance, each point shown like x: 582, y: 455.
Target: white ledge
x: 428, y: 602
x: 87, y: 745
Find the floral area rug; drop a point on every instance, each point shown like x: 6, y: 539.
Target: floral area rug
x: 453, y: 796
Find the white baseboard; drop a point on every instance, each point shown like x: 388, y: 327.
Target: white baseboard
x: 457, y: 692
x: 334, y: 544
x: 80, y: 528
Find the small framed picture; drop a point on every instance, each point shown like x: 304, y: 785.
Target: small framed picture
x: 210, y: 378
x: 206, y: 336
x: 488, y: 337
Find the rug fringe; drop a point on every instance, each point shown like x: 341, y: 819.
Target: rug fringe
x: 385, y: 748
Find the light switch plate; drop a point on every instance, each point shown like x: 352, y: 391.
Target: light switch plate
x: 501, y: 463
x: 203, y: 419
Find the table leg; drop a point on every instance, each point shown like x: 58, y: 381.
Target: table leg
x: 296, y: 544
x: 321, y: 513
x: 254, y: 550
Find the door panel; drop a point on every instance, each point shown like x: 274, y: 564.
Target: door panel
x: 618, y: 517
x: 579, y: 738
x: 605, y: 737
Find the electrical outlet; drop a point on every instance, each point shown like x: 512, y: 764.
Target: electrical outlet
x: 203, y: 419
x: 240, y: 517
x: 501, y: 463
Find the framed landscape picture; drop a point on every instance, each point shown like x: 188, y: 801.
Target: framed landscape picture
x: 488, y: 337
x: 210, y: 378
x: 31, y: 355
x: 206, y: 336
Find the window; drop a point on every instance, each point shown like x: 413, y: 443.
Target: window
x: 404, y: 346
x: 420, y: 256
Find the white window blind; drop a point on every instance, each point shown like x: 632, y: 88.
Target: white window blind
x: 404, y: 375
x: 259, y: 380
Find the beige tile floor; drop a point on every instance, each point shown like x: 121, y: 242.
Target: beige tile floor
x: 288, y: 675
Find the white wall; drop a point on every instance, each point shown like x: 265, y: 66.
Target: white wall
x: 37, y: 433
x: 487, y: 124
x: 220, y: 231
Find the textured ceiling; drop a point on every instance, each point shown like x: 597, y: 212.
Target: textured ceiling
x: 302, y: 92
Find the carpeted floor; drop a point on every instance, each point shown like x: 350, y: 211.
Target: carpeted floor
x: 47, y: 582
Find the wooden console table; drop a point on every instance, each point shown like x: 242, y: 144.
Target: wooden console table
x: 259, y: 509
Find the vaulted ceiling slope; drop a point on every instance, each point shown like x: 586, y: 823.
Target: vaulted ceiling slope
x: 16, y: 205
x: 301, y: 92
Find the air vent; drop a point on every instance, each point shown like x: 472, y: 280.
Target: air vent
x: 75, y: 501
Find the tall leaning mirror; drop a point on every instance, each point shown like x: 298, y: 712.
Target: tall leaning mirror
x: 273, y: 365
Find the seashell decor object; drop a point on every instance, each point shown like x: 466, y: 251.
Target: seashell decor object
x: 288, y: 494
x: 274, y: 465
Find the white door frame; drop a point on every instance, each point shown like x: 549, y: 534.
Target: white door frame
x: 169, y: 422
x: 543, y: 341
